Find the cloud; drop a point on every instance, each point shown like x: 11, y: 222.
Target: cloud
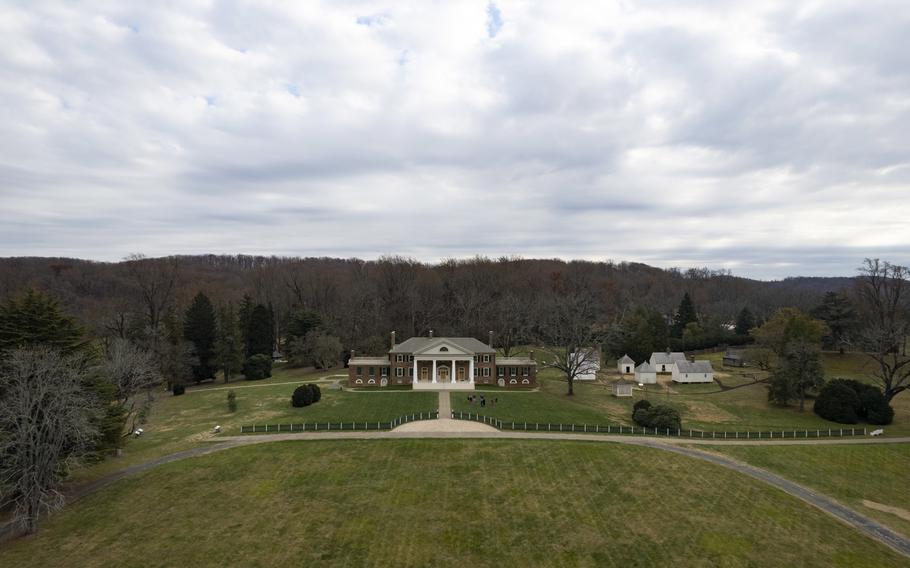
x: 771, y: 138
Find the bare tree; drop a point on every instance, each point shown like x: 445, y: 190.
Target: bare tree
x: 155, y: 280
x: 131, y: 370
x: 567, y: 332
x: 46, y: 423
x: 885, y: 323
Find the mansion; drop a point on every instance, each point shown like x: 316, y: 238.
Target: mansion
x: 442, y: 363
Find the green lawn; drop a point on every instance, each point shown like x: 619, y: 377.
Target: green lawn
x: 443, y: 503
x: 180, y: 422
x: 703, y: 407
x: 862, y: 477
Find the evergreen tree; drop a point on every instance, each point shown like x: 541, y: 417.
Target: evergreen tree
x: 799, y: 371
x: 303, y: 321
x: 684, y: 315
x: 243, y: 315
x: 744, y: 322
x: 36, y: 319
x: 175, y: 353
x: 260, y: 333
x: 199, y: 329
x: 836, y: 310
x: 229, y: 345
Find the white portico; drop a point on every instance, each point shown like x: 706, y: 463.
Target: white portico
x: 443, y: 364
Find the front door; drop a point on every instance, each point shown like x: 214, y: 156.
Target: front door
x: 443, y: 373
x: 460, y: 373
x: 424, y: 374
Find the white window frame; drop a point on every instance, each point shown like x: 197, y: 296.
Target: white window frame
x: 501, y: 372
x: 486, y: 357
x: 486, y: 371
x: 399, y: 371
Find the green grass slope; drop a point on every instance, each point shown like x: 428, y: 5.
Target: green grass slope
x: 443, y: 503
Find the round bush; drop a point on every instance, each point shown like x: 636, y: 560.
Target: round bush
x: 317, y: 393
x: 178, y: 390
x: 642, y: 417
x: 875, y: 407
x: 664, y: 417
x: 303, y: 396
x: 641, y: 404
x: 838, y: 402
x: 257, y: 367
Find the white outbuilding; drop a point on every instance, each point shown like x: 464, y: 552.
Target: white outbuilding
x: 588, y: 364
x: 694, y: 372
x: 622, y: 388
x: 625, y: 365
x: 666, y: 361
x: 645, y: 374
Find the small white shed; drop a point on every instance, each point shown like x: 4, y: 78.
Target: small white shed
x: 645, y: 374
x: 626, y: 365
x: 622, y: 388
x: 694, y: 372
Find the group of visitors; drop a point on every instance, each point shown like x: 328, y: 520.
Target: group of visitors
x: 481, y: 399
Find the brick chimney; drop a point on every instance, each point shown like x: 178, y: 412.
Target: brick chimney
x: 393, y: 340
x: 531, y: 355
x: 491, y: 339
x: 431, y: 333
x: 352, y: 353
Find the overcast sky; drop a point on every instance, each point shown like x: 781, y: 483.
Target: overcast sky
x: 768, y: 138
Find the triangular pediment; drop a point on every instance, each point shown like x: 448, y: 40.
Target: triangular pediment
x: 442, y: 346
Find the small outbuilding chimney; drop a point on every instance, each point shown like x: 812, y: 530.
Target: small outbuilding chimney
x: 431, y: 333
x: 352, y: 353
x: 393, y: 340
x: 531, y: 355
x: 491, y: 338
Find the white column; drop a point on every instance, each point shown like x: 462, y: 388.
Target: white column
x: 471, y: 370
x: 415, y: 371
x: 453, y: 371
x: 434, y: 370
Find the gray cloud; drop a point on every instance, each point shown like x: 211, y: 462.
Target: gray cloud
x: 770, y: 139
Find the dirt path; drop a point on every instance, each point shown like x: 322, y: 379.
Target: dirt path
x: 830, y: 506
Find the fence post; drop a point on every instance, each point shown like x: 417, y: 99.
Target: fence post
x: 841, y: 432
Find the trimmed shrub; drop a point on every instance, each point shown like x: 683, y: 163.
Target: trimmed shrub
x: 641, y: 404
x: 232, y: 401
x: 659, y: 416
x: 838, y: 402
x: 303, y: 396
x: 178, y: 390
x: 257, y: 367
x: 875, y: 407
x: 862, y: 402
x: 317, y: 393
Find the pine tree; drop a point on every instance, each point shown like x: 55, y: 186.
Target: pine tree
x: 243, y: 315
x: 684, y: 315
x: 230, y: 347
x: 199, y: 329
x: 260, y: 333
x: 837, y: 311
x: 744, y: 322
x: 36, y: 319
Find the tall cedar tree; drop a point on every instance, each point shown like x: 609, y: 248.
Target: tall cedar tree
x: 837, y: 311
x: 744, y: 322
x: 230, y: 342
x: 243, y: 315
x: 684, y: 315
x: 199, y: 329
x: 36, y: 319
x: 260, y: 332
x: 301, y: 322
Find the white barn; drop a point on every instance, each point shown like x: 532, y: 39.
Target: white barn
x: 694, y: 372
x: 626, y: 365
x: 588, y: 369
x: 665, y: 362
x: 645, y: 374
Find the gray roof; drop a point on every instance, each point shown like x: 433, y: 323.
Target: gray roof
x: 627, y: 360
x: 695, y: 367
x: 415, y: 344
x: 368, y: 361
x: 644, y: 368
x: 663, y: 358
x: 514, y: 361
x: 622, y: 382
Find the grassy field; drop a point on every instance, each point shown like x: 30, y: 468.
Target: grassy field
x: 180, y: 422
x: 443, y: 503
x: 871, y: 479
x: 742, y: 405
